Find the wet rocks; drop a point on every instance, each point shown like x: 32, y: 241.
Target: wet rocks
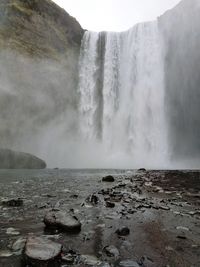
x: 111, y: 251
x: 145, y: 261
x: 110, y: 204
x: 13, y: 202
x: 90, y: 260
x: 62, y: 220
x: 12, y: 231
x: 123, y: 231
x: 108, y: 178
x: 18, y: 245
x: 42, y: 252
x: 70, y: 257
x: 93, y: 199
x: 5, y: 253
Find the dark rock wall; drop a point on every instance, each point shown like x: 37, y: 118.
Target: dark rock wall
x: 181, y: 31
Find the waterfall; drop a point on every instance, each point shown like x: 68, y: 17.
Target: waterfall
x: 88, y: 83
x: 122, y: 94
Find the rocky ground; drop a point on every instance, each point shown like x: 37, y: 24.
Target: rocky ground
x: 129, y: 219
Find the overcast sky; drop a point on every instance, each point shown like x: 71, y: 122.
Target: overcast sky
x: 114, y: 15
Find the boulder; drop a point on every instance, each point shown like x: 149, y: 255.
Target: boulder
x: 108, y: 178
x: 62, y: 220
x: 42, y: 252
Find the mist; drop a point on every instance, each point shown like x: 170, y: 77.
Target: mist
x: 38, y: 102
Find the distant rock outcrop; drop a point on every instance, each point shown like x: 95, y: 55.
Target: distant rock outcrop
x: 18, y: 160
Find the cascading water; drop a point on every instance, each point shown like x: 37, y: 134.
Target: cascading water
x: 121, y: 89
x: 88, y: 84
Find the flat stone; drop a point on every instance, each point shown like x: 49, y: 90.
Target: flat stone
x: 5, y: 253
x: 164, y: 208
x: 182, y: 228
x: 40, y: 250
x: 103, y: 264
x: 128, y: 263
x: 62, y: 220
x: 90, y: 260
x: 12, y: 231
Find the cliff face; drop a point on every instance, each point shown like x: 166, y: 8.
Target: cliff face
x: 38, y: 28
x: 39, y: 52
x: 181, y: 31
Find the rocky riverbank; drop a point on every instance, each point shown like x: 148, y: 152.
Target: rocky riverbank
x: 143, y: 218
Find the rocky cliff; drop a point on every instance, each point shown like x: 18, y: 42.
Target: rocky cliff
x: 38, y: 28
x: 39, y: 52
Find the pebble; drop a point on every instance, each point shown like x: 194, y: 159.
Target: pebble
x: 182, y: 228
x: 90, y: 260
x: 123, y: 231
x: 111, y: 251
x: 110, y: 204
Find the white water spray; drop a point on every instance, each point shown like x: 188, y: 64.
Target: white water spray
x: 121, y: 86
